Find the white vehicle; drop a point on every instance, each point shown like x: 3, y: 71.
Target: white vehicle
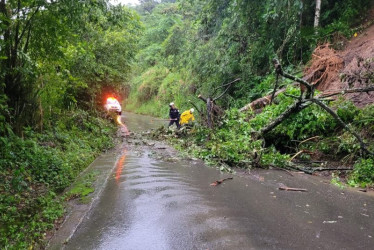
x: 112, y: 105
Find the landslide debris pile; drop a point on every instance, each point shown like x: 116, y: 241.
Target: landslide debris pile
x: 352, y: 67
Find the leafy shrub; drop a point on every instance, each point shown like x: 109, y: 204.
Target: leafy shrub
x: 272, y: 157
x: 365, y: 118
x: 35, y: 168
x: 347, y: 111
x: 363, y: 172
x: 4, y: 112
x: 309, y: 122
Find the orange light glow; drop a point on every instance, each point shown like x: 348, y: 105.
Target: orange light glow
x: 119, y: 121
x: 123, y: 126
x: 111, y: 99
x: 120, y: 164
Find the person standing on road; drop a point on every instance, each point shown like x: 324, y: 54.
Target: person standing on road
x: 174, y: 115
x: 187, y: 116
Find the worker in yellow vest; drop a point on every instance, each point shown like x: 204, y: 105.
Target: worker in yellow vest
x: 187, y: 116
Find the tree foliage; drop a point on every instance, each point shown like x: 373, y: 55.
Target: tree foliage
x: 58, y: 60
x: 215, y: 41
x: 68, y: 49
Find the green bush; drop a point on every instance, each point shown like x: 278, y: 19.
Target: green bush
x: 365, y: 118
x: 347, y: 111
x: 35, y: 168
x: 363, y: 173
x: 307, y: 123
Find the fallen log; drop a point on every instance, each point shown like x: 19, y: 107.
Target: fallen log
x: 260, y: 102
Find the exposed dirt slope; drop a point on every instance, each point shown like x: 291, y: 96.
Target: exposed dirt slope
x: 335, y: 70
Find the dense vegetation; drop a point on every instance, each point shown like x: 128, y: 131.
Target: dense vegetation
x: 193, y: 47
x: 59, y: 60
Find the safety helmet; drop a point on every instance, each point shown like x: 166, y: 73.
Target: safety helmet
x: 171, y: 104
x: 192, y: 110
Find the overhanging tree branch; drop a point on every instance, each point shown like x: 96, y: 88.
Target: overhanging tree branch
x: 211, y: 108
x: 228, y: 87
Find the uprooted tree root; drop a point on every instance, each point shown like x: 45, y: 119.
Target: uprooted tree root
x: 324, y: 68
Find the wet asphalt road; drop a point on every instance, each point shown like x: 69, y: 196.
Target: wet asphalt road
x: 152, y: 204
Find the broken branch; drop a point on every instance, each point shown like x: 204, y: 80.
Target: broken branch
x: 228, y: 87
x: 347, y: 91
x: 220, y: 181
x: 292, y: 189
x: 300, y: 152
x: 279, y: 70
x: 345, y: 126
x: 294, y: 108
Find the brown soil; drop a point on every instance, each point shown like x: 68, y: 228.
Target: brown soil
x: 334, y: 70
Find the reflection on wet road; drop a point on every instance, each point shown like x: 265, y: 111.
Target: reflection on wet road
x: 120, y: 164
x: 154, y: 204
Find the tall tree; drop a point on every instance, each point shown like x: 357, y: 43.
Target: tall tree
x: 317, y: 13
x: 29, y: 28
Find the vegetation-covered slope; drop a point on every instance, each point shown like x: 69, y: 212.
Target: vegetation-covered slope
x: 58, y: 61
x: 195, y: 47
x: 192, y: 47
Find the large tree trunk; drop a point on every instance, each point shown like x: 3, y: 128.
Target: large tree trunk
x: 317, y: 13
x: 292, y: 109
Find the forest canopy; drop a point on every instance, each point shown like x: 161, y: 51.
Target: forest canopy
x: 202, y: 44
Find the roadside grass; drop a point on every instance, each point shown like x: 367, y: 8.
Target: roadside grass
x: 82, y: 187
x: 36, y: 169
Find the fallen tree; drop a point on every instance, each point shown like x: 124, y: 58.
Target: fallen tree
x: 212, y: 110
x: 306, y: 99
x: 260, y: 103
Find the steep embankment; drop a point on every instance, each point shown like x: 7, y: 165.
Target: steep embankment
x: 334, y: 70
